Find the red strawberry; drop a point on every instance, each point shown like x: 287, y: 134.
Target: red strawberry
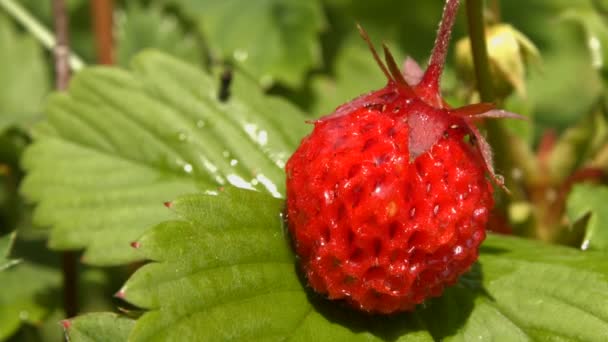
x: 387, y: 198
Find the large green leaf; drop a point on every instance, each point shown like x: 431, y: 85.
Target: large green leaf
x: 29, y: 293
x: 118, y: 144
x: 225, y: 271
x: 23, y: 74
x: 98, y: 327
x: 6, y: 242
x: 590, y: 200
x: 596, y: 32
x: 270, y: 39
x: 140, y: 28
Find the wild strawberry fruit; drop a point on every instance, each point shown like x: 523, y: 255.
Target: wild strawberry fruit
x: 387, y: 198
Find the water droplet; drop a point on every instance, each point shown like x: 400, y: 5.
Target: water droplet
x: 280, y: 163
x: 269, y: 185
x: 240, y: 55
x: 585, y: 245
x: 328, y: 196
x: 260, y: 136
x: 378, y: 188
x: 250, y: 129
x: 182, y: 136
x: 209, y: 166
x: 188, y: 168
x: 479, y: 213
x: 263, y: 138
x: 233, y: 162
x: 211, y: 193
x: 266, y: 81
x: 239, y: 182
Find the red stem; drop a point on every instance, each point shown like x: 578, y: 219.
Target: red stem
x: 102, y: 11
x: 433, y: 73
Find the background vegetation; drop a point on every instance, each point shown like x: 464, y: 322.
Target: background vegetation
x: 206, y: 100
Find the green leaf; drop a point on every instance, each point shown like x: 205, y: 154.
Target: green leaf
x: 120, y: 143
x: 24, y: 76
x: 140, y: 28
x: 577, y: 145
x: 29, y: 294
x: 6, y: 243
x: 98, y: 327
x: 413, y: 25
x: 95, y: 286
x: 270, y: 39
x: 596, y: 32
x: 225, y: 271
x: 590, y: 200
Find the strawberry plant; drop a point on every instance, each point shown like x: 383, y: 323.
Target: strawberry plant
x: 225, y: 178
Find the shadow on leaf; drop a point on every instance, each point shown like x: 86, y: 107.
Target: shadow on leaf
x: 441, y: 317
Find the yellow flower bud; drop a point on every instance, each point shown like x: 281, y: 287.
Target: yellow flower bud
x: 508, y: 50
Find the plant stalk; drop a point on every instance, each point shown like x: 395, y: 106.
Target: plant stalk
x: 36, y: 29
x: 62, y: 79
x: 102, y: 13
x: 512, y: 156
x: 62, y: 45
x: 479, y: 49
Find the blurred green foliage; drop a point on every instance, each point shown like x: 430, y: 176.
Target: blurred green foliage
x: 308, y: 53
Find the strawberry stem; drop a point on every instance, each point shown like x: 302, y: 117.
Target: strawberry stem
x: 394, y: 70
x: 433, y: 73
x: 365, y: 37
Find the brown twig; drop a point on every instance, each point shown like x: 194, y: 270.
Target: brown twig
x: 62, y: 49
x: 62, y: 79
x: 102, y: 12
x: 495, y: 10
